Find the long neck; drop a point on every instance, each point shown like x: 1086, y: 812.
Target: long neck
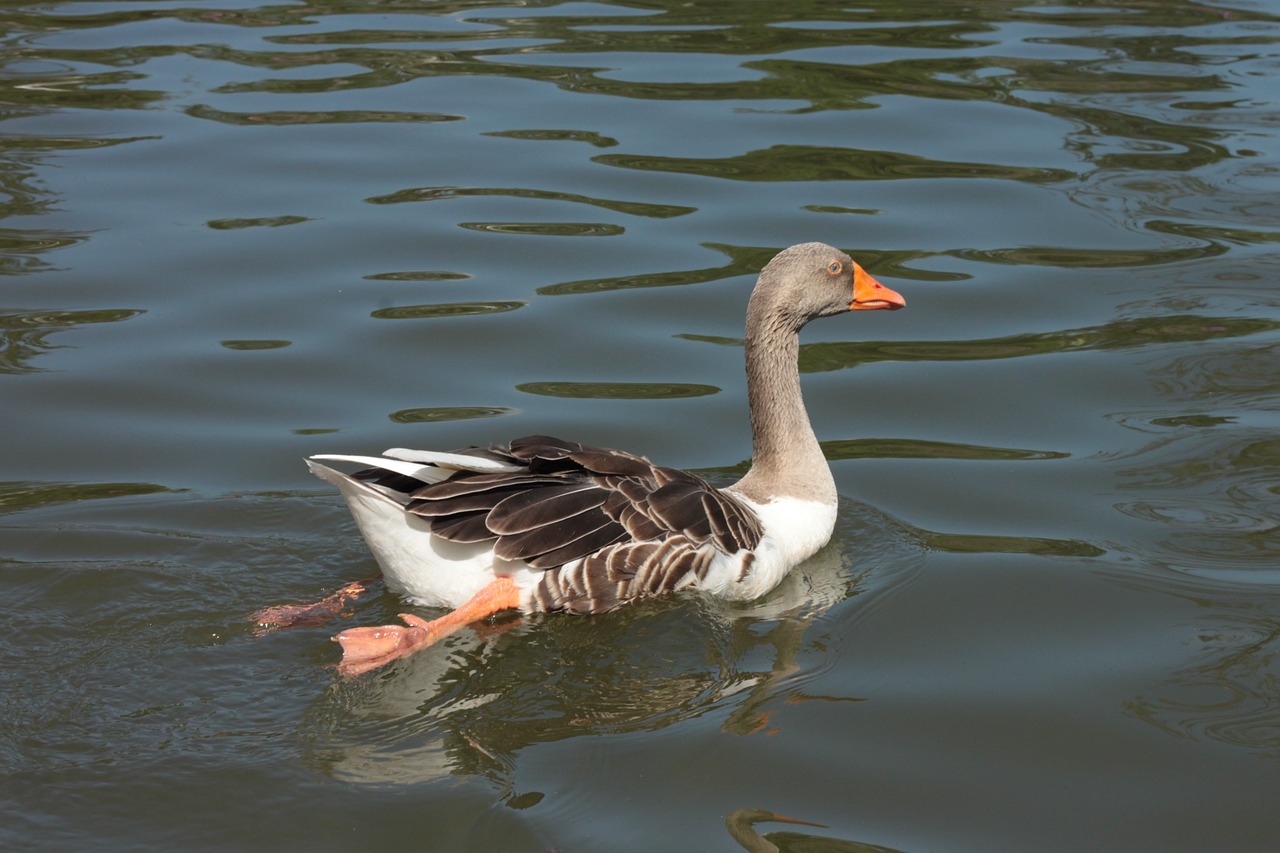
x: 786, y: 459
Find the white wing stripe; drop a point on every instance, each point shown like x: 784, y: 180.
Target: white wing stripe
x: 426, y: 473
x: 456, y: 461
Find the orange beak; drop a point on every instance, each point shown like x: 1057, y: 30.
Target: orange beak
x: 869, y: 294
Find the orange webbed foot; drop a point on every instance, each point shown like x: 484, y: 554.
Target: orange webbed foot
x: 365, y: 649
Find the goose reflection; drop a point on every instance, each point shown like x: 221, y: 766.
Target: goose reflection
x: 471, y: 707
x: 741, y: 826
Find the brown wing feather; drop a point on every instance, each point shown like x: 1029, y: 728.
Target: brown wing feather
x: 538, y: 508
x: 615, y: 462
x: 470, y: 483
x: 572, y: 542
x: 478, y: 499
x: 678, y: 506
x: 639, y: 525
x: 637, y: 529
x: 465, y: 527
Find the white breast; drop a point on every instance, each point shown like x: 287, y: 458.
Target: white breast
x: 794, y: 530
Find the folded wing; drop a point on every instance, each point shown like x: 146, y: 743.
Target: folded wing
x: 635, y: 527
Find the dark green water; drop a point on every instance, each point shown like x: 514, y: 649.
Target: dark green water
x: 235, y: 235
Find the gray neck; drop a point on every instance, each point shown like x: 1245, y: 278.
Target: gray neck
x: 786, y: 459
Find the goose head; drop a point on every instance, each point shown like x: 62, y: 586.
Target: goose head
x: 813, y: 280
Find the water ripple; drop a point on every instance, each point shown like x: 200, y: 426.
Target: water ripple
x: 23, y: 334
x: 19, y: 496
x: 258, y: 222
x: 820, y: 163
x: 633, y: 208
x: 295, y: 117
x: 547, y: 229
x: 437, y: 414
x: 448, y: 309
x: 618, y: 390
x: 1231, y: 694
x: 903, y: 448
x: 587, y: 136
x: 1078, y: 412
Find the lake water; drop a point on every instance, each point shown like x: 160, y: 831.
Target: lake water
x: 238, y: 234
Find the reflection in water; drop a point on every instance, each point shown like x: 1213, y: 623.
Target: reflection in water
x: 1206, y: 480
x: 673, y: 278
x: 1200, y: 480
x: 15, y: 497
x: 587, y: 136
x: 979, y: 543
x: 618, y: 390
x: 254, y: 345
x: 60, y: 89
x: 743, y: 261
x: 445, y: 309
x: 740, y: 825
x: 912, y: 448
x: 1227, y: 513
x: 473, y: 704
x: 1066, y: 256
x: 815, y: 163
x: 259, y: 222
x: 22, y: 250
x: 547, y: 229
x: 291, y: 117
x: 634, y: 208
x: 418, y: 275
x: 23, y: 333
x: 1231, y: 692
x: 1117, y: 334
x: 436, y: 414
x: 23, y: 195
x: 1132, y: 145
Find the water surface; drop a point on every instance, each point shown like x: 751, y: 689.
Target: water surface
x: 236, y: 234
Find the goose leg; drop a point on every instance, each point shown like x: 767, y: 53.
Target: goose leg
x: 290, y: 615
x: 365, y: 649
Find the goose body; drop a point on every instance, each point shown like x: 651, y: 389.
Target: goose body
x: 577, y: 528
x: 544, y: 524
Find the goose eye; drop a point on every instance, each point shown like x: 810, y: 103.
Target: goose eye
x: 835, y: 268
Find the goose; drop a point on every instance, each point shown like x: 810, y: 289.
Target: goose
x: 544, y: 524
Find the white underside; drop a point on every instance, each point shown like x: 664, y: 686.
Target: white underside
x: 434, y: 572
x: 415, y: 563
x: 794, y: 530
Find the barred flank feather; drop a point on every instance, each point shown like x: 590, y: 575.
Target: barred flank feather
x: 621, y: 573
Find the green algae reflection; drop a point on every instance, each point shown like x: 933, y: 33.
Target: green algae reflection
x: 253, y: 345
x: 23, y: 334
x: 618, y: 390
x: 444, y: 309
x: 22, y: 495
x: 437, y: 414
